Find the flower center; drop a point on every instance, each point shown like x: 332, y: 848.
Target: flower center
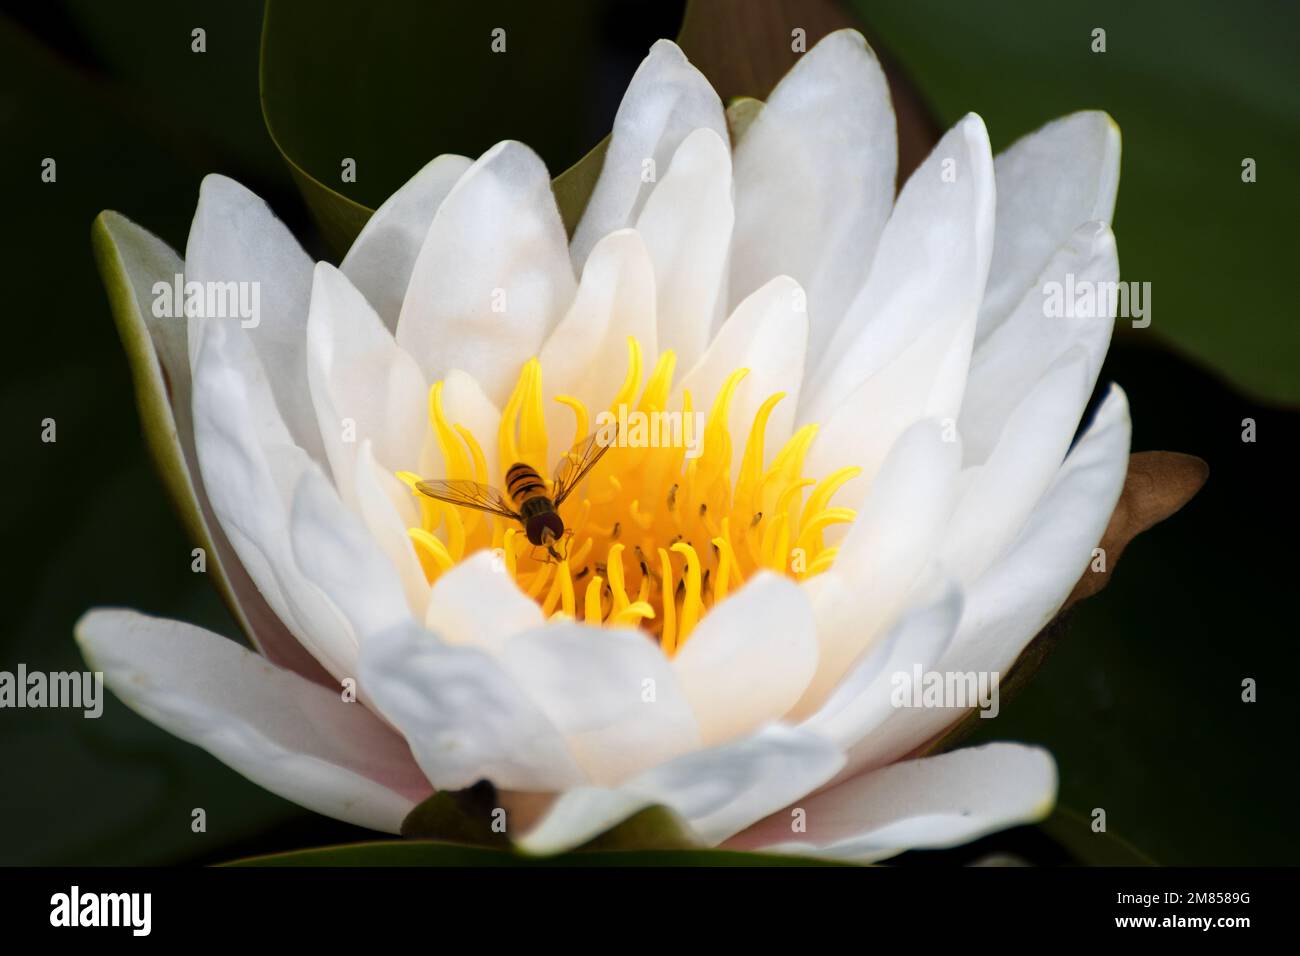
x: 658, y: 532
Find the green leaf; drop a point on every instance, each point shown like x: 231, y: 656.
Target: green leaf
x: 468, y: 817
x: 574, y: 186
x: 458, y: 816
x: 654, y: 828
x: 432, y: 853
x: 1196, y: 88
x: 392, y: 85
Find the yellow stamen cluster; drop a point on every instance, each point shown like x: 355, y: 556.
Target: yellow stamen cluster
x: 658, y: 538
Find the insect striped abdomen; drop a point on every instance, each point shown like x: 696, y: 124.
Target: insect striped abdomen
x: 528, y: 491
x: 524, y: 484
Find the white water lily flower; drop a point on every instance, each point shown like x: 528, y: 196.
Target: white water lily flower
x: 887, y: 476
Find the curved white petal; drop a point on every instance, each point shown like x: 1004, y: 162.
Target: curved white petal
x: 464, y: 718
x: 667, y: 99
x: 749, y: 659
x: 283, y: 732
x: 815, y: 180
x: 476, y: 604
x: 159, y: 348
x: 381, y: 503
x: 586, y: 356
x: 364, y: 386
x: 884, y: 552
x: 1022, y: 590
x: 250, y: 467
x: 933, y: 803
x: 767, y: 334
x: 686, y: 224
x: 997, y: 496
x: 1050, y: 181
x: 863, y: 700
x: 1015, y: 355
x: 903, y: 347
x: 462, y: 714
x: 235, y: 238
x: 383, y: 255
x: 610, y: 692
x: 718, y: 791
x: 493, y: 275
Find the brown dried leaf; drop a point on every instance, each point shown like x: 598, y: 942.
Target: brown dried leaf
x: 1157, y: 485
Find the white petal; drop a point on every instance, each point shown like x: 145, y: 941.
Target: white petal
x: 907, y: 334
x: 364, y: 386
x: 750, y: 658
x: 463, y: 716
x: 686, y: 225
x: 458, y: 607
x: 1015, y: 355
x: 493, y: 275
x: 863, y: 699
x: 236, y: 238
x: 295, y: 738
x: 666, y: 100
x: 997, y: 497
x: 383, y: 255
x: 1049, y: 182
x: 815, y: 180
x: 586, y: 355
x: 465, y: 720
x: 933, y: 803
x: 718, y: 792
x: 378, y: 495
x: 884, y: 552
x: 161, y: 366
x: 610, y: 692
x: 767, y: 334
x: 251, y: 467
x: 1022, y: 591
x: 340, y: 558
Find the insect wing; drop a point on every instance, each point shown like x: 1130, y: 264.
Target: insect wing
x: 575, y: 464
x: 469, y: 494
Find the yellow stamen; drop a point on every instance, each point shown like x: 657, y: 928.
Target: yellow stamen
x: 691, y: 602
x: 432, y: 553
x: 640, y: 506
x: 579, y: 414
x: 591, y: 608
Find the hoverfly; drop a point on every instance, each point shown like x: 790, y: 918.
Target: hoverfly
x: 535, y: 509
